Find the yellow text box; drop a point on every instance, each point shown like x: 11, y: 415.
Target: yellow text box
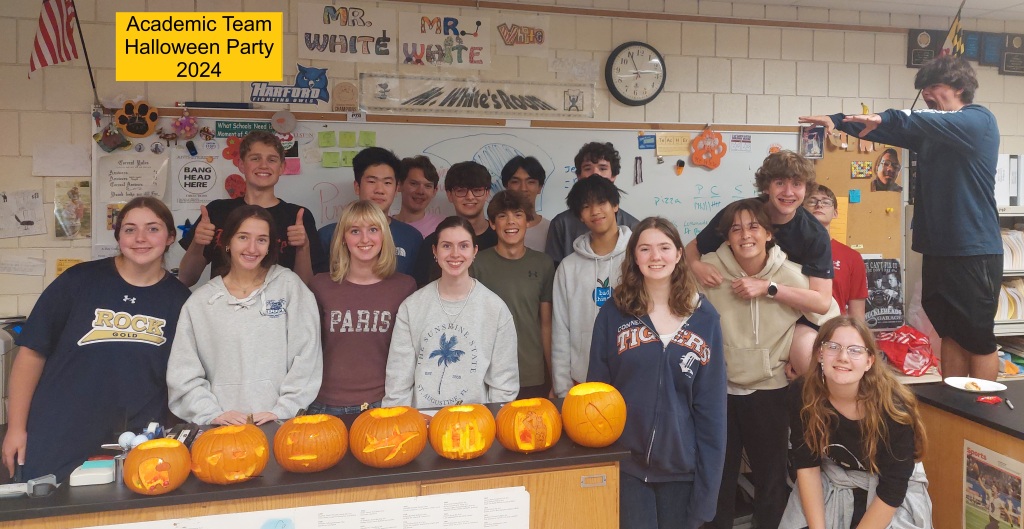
x: 672, y: 143
x: 214, y: 46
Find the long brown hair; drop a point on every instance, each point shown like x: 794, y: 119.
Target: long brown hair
x: 878, y: 392
x: 631, y: 295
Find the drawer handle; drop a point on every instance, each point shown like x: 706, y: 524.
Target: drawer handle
x: 597, y: 480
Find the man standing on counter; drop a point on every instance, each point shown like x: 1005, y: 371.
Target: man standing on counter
x: 956, y: 223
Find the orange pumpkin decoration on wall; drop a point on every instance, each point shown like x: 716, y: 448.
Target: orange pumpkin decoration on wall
x: 230, y: 454
x: 310, y: 443
x: 529, y: 425
x: 156, y: 467
x: 388, y: 437
x: 463, y: 431
x: 594, y: 414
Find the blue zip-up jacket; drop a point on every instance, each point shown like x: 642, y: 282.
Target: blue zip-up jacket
x: 955, y: 210
x: 675, y: 398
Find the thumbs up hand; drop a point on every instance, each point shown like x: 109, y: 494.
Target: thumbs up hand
x: 297, y: 231
x: 204, y: 229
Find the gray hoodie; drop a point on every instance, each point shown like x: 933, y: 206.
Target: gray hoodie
x: 257, y: 354
x: 576, y: 304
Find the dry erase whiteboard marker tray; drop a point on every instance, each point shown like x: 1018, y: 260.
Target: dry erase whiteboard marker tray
x: 974, y: 385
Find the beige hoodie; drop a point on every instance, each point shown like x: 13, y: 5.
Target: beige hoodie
x: 758, y: 332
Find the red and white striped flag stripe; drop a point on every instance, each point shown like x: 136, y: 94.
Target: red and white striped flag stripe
x: 55, y: 40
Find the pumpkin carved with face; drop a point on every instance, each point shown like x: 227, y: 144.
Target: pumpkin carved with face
x: 529, y: 425
x: 310, y: 443
x: 156, y: 467
x: 388, y: 437
x: 594, y: 414
x: 463, y: 431
x: 230, y: 454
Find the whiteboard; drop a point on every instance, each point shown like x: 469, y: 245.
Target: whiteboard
x: 689, y: 200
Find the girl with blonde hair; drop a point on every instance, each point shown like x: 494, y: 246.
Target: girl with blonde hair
x: 358, y: 301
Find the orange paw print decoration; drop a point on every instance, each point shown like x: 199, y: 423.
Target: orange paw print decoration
x: 707, y: 149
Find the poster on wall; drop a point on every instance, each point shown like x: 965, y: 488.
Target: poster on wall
x: 448, y: 40
x: 72, y: 209
x: 884, y: 309
x: 519, y: 34
x: 197, y: 180
x: 992, y: 489
x: 348, y: 32
x: 21, y: 213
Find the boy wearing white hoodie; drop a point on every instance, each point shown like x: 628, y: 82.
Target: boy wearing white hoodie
x: 585, y: 279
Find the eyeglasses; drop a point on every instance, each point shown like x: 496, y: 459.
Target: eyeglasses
x: 823, y: 202
x: 890, y: 165
x: 855, y: 352
x: 463, y: 191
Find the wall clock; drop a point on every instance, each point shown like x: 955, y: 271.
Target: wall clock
x: 635, y: 73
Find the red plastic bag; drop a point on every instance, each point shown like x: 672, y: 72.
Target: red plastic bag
x: 908, y: 350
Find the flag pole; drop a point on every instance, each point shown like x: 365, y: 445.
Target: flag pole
x: 956, y: 19
x: 81, y: 38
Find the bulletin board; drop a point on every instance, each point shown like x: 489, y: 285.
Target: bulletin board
x: 688, y: 199
x: 874, y: 225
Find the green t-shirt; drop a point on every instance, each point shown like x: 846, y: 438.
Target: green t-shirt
x: 523, y: 284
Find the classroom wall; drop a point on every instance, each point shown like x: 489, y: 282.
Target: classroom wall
x: 731, y: 73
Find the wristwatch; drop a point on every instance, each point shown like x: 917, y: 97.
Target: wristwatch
x: 773, y: 289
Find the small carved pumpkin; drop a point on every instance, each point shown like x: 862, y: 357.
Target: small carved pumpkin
x: 310, y: 443
x: 529, y: 425
x: 230, y: 454
x: 156, y: 467
x: 463, y: 431
x: 388, y: 437
x: 594, y: 414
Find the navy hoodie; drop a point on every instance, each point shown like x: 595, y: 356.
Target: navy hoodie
x: 675, y: 398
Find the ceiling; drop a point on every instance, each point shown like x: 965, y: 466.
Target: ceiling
x: 990, y: 9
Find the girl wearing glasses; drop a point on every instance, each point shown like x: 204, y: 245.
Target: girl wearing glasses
x: 757, y: 333
x: 857, y: 439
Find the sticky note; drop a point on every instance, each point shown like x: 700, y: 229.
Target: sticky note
x: 346, y: 158
x: 855, y: 196
x: 331, y: 159
x: 367, y: 138
x: 347, y: 138
x: 327, y: 138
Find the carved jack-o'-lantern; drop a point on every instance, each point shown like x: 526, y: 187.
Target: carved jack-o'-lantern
x: 529, y: 425
x: 230, y: 454
x: 594, y: 414
x: 463, y: 431
x: 388, y: 437
x: 310, y: 443
x: 156, y: 467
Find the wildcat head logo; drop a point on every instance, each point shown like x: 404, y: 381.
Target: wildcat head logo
x: 274, y: 308
x: 310, y: 88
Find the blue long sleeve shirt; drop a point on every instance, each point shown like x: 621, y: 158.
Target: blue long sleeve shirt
x: 955, y: 210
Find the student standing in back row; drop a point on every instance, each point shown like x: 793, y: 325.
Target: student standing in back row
x: 593, y: 159
x: 956, y: 224
x: 418, y: 182
x: 375, y: 170
x: 262, y: 162
x: 526, y: 175
x: 850, y: 284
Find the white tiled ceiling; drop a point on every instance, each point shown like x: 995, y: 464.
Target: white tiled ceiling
x: 991, y: 9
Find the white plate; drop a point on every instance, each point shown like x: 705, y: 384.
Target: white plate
x: 987, y: 386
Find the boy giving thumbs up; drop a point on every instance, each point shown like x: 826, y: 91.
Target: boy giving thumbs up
x: 262, y: 162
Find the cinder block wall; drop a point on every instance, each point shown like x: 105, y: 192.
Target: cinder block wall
x: 717, y: 73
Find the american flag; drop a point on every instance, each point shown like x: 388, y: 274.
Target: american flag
x: 55, y: 40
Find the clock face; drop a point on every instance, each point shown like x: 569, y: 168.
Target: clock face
x: 635, y: 73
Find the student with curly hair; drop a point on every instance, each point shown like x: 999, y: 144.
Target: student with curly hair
x: 857, y: 439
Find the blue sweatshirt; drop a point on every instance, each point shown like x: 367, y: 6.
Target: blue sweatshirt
x: 675, y: 398
x: 955, y: 205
